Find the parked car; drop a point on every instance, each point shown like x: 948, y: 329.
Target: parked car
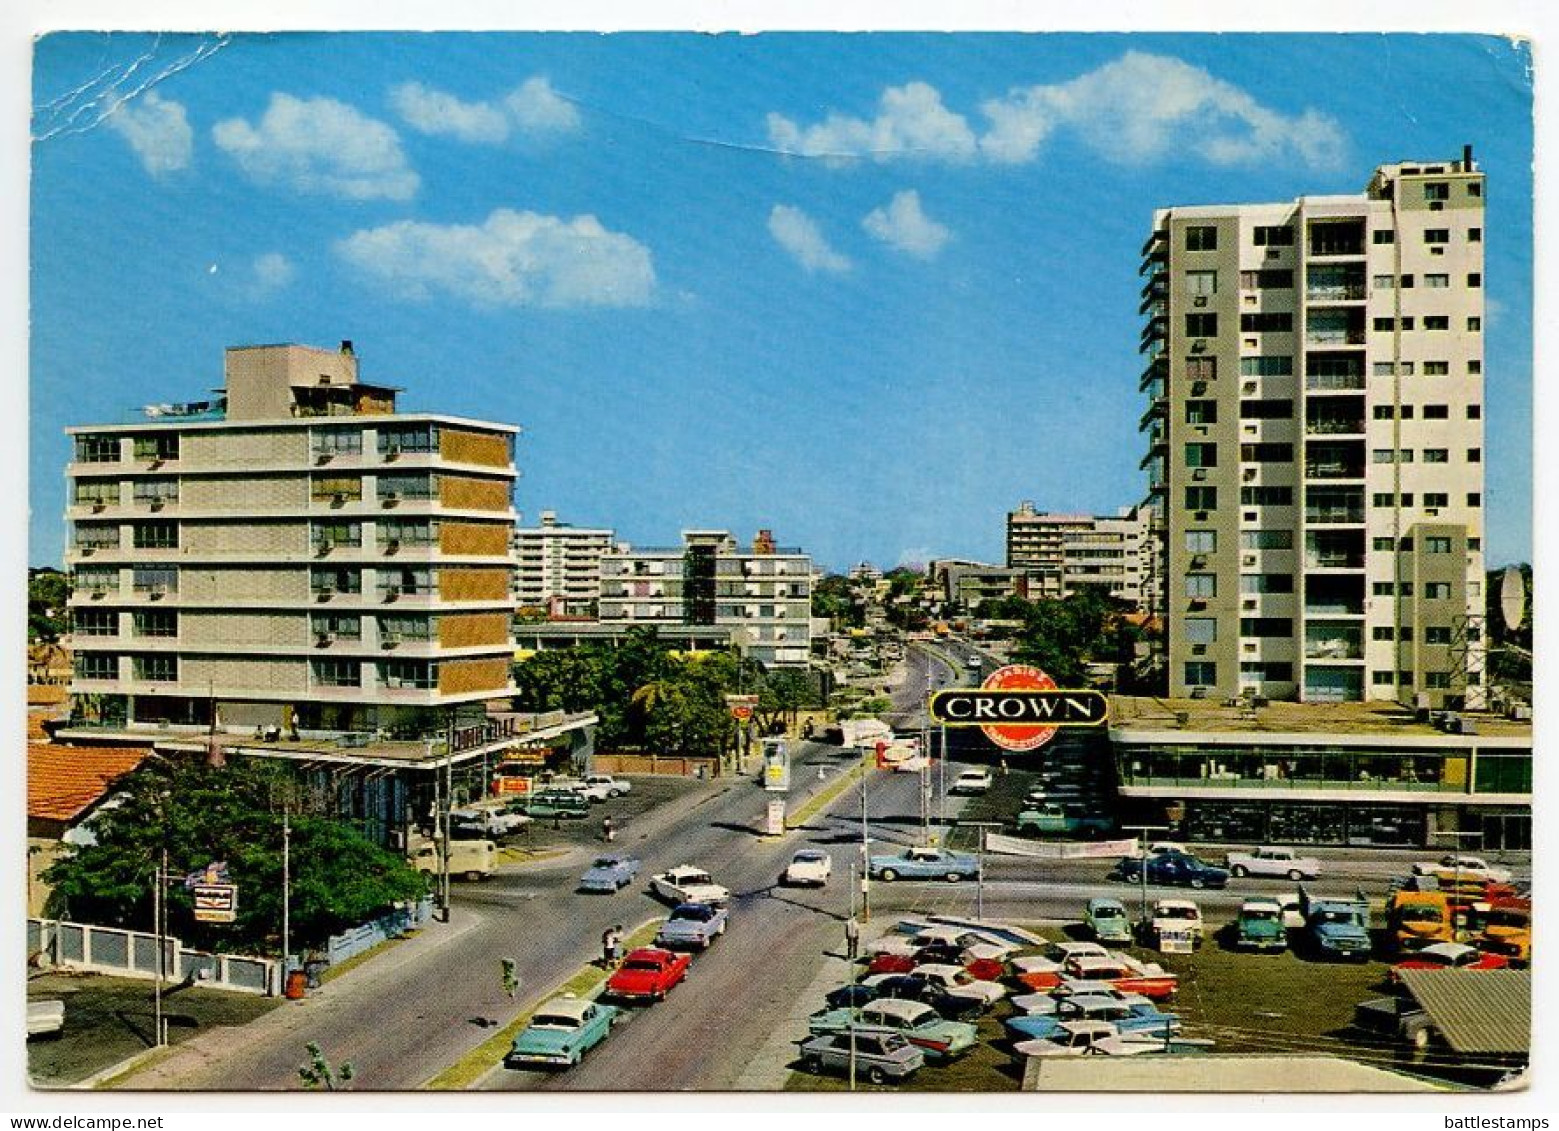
x: 1074, y: 1038
x: 1273, y: 860
x: 469, y: 859
x: 810, y: 867
x: 1259, y: 926
x: 647, y: 974
x: 1107, y: 921
x: 1449, y: 956
x: 1138, y: 1018
x: 687, y: 884
x: 1336, y: 927
x: 1053, y: 818
x: 45, y: 1017
x: 562, y: 1031
x: 971, y: 782
x: 959, y: 982
x: 613, y: 787
x: 974, y: 943
x: 1172, y: 868
x: 557, y: 804
x: 878, y: 1057
x: 938, y: 953
x: 692, y: 924
x: 924, y: 864
x: 609, y: 874
x: 1146, y: 978
x: 1458, y: 865
x: 912, y: 987
x: 919, y: 1024
x: 489, y: 824
x: 1176, y: 925
x: 1398, y: 1016
x: 1507, y: 929
x: 853, y: 995
x: 1048, y: 1003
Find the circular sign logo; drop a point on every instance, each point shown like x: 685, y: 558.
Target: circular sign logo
x: 1019, y: 677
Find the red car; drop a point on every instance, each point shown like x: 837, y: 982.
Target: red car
x: 1150, y: 980
x: 985, y: 969
x: 1450, y: 956
x: 648, y: 974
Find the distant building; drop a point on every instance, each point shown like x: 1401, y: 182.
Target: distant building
x: 1062, y: 553
x: 967, y: 585
x: 558, y: 567
x: 865, y: 572
x: 764, y: 592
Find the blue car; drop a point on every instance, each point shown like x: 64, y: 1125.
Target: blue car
x: 1175, y: 868
x: 924, y: 864
x: 609, y: 874
x: 1141, y: 1017
x: 562, y: 1031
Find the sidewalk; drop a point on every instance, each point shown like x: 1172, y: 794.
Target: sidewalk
x: 197, y: 1063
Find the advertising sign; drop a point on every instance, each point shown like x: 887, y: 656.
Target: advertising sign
x: 1019, y: 707
x: 216, y: 903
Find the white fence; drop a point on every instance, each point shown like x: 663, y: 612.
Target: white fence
x: 1059, y: 849
x: 133, y: 954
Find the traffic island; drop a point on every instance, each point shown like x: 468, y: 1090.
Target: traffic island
x: 490, y: 1054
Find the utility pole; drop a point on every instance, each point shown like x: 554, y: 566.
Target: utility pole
x: 159, y: 910
x: 286, y: 889
x: 855, y: 972
x: 1142, y: 859
x: 979, y: 857
x: 866, y: 846
x: 449, y: 800
x: 1456, y: 871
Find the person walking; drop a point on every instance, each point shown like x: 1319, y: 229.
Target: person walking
x: 608, y: 830
x: 608, y: 946
x: 617, y: 944
x: 852, y: 938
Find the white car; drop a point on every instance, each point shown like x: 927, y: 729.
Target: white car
x: 1273, y: 860
x: 975, y: 944
x: 971, y: 781
x: 1293, y: 915
x: 1044, y: 1005
x: 492, y: 823
x: 958, y: 982
x: 612, y: 787
x: 1464, y: 866
x: 1174, y: 917
x: 1166, y: 847
x: 809, y: 867
x: 687, y: 884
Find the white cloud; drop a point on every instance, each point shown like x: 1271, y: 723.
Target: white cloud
x: 272, y: 272
x: 537, y: 108
x: 911, y: 122
x: 903, y: 225
x: 434, y: 112
x: 511, y: 259
x: 157, y: 129
x: 1142, y: 108
x: 319, y: 145
x: 799, y: 234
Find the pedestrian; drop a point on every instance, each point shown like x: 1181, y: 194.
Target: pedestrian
x: 617, y: 943
x: 608, y: 830
x: 608, y: 946
x: 852, y: 938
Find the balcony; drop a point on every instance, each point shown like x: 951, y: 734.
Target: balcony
x: 1334, y: 382
x: 1331, y: 239
x: 1335, y: 426
x: 1334, y: 469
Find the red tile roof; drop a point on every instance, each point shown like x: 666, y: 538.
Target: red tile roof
x: 46, y: 694
x: 65, y: 781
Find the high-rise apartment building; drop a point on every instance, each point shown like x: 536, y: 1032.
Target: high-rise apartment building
x: 294, y: 558
x: 1061, y: 553
x: 558, y: 567
x: 1315, y: 440
x: 763, y: 594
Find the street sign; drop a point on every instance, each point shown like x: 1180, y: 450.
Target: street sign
x: 216, y: 903
x: 1018, y: 707
x: 775, y: 824
x: 776, y: 765
x: 742, y: 706
x: 213, y: 873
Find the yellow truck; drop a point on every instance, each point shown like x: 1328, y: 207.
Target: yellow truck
x: 1415, y: 919
x: 1507, y: 929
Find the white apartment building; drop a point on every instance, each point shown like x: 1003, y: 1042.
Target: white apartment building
x: 763, y: 594
x: 295, y: 557
x: 1315, y: 440
x: 1061, y: 553
x: 558, y: 567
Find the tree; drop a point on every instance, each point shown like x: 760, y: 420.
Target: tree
x: 47, y: 592
x: 200, y: 814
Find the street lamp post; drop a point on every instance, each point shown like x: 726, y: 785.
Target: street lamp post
x: 979, y: 871
x: 866, y: 845
x: 1142, y: 832
x: 1456, y: 867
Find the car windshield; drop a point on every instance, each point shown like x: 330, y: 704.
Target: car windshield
x: 1335, y: 917
x: 1422, y: 915
x: 695, y: 913
x: 694, y: 878
x: 1178, y: 913
x: 1108, y: 913
x: 810, y: 857
x: 641, y: 964
x: 605, y: 862
x: 554, y: 1021
x: 1261, y: 914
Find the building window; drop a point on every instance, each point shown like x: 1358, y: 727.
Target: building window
x: 325, y: 580
x: 338, y: 626
x: 1383, y: 499
x: 330, y: 442
x: 1475, y: 235
x: 1201, y: 541
x: 1381, y: 632
x: 97, y: 449
x: 413, y: 674
x: 1437, y: 190
x: 1202, y: 325
x: 338, y: 673
x: 1437, y: 322
x: 1384, y: 235
x: 1474, y: 412
x: 95, y: 579
x: 1201, y: 283
x: 1383, y: 455
x: 411, y: 532
x: 93, y: 537
x: 1273, y: 235
x: 1383, y: 282
x: 1274, y: 409
x: 327, y: 535
x: 1474, y: 499
x: 1383, y: 325
x: 1201, y: 412
x: 1406, y: 498
x: 1266, y: 583
x: 1437, y: 680
x: 336, y: 488
x: 1405, y: 677
x: 1201, y: 585
x: 1201, y: 672
x: 393, y: 629
x: 1382, y: 589
x: 417, y: 438
x: 92, y: 493
x: 1474, y: 366
x: 156, y: 582
x: 1201, y: 630
x: 1437, y: 235
x: 1201, y: 455
x: 1267, y: 453
x: 1437, y: 590
x: 1436, y: 412
x: 1434, y: 544
x: 1381, y: 679
x: 1201, y: 368
x: 1266, y: 627
x: 1474, y: 544
x: 1437, y: 634
x: 1266, y: 539
x: 394, y: 583
x: 1201, y: 498
x: 1267, y: 279
x: 1386, y: 544
x: 158, y: 447
x: 155, y: 493
x: 1200, y: 237
x: 1279, y: 365
x: 1475, y: 280
x: 156, y: 535
x: 1437, y: 368
x: 1406, y: 412
x: 1437, y: 282
x: 1474, y: 455
x: 1437, y: 455
x: 95, y: 665
x: 1475, y: 325
x: 1267, y: 322
x: 1267, y: 496
x: 405, y: 487
x: 157, y: 622
x: 1383, y: 412
x: 94, y: 622
x: 157, y: 669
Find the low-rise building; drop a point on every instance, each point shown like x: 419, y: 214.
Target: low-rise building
x: 1062, y: 553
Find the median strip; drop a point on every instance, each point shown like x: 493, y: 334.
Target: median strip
x: 824, y: 797
x: 490, y: 1053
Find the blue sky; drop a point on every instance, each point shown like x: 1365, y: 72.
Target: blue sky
x: 867, y: 290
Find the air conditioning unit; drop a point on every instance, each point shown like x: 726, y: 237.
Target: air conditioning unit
x: 324, y: 546
x: 1198, y: 649
x: 1274, y: 253
x: 1248, y: 559
x: 1198, y: 561
x: 390, y: 498
x: 1199, y: 300
x: 391, y: 453
x: 1199, y: 346
x: 157, y: 592
x: 338, y: 499
x: 1249, y: 603
x: 391, y: 592
x: 1437, y: 206
x: 1249, y: 475
x: 389, y: 639
x: 86, y: 551
x: 1199, y: 473
x: 1201, y: 516
x: 392, y: 545
x: 323, y: 457
x: 325, y: 592
x: 99, y: 506
x: 98, y: 593
x: 324, y: 639
x: 157, y: 504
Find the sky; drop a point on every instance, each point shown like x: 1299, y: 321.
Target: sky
x: 869, y: 291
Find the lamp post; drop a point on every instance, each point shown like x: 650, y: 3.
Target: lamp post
x: 1142, y: 832
x: 1456, y: 869
x: 866, y: 844
x: 979, y: 858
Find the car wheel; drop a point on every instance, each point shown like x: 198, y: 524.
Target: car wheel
x: 953, y: 877
x: 1198, y: 883
x: 874, y: 1075
x: 888, y: 875
x: 813, y: 1064
x: 1239, y: 872
x: 1295, y: 874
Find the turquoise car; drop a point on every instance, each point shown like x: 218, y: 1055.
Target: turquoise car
x: 562, y: 1031
x: 915, y: 1021
x: 1107, y: 921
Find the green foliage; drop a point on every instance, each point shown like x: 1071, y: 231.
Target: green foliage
x: 234, y: 813
x: 1063, y: 637
x: 317, y: 1073
x: 835, y: 597
x: 47, y: 592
